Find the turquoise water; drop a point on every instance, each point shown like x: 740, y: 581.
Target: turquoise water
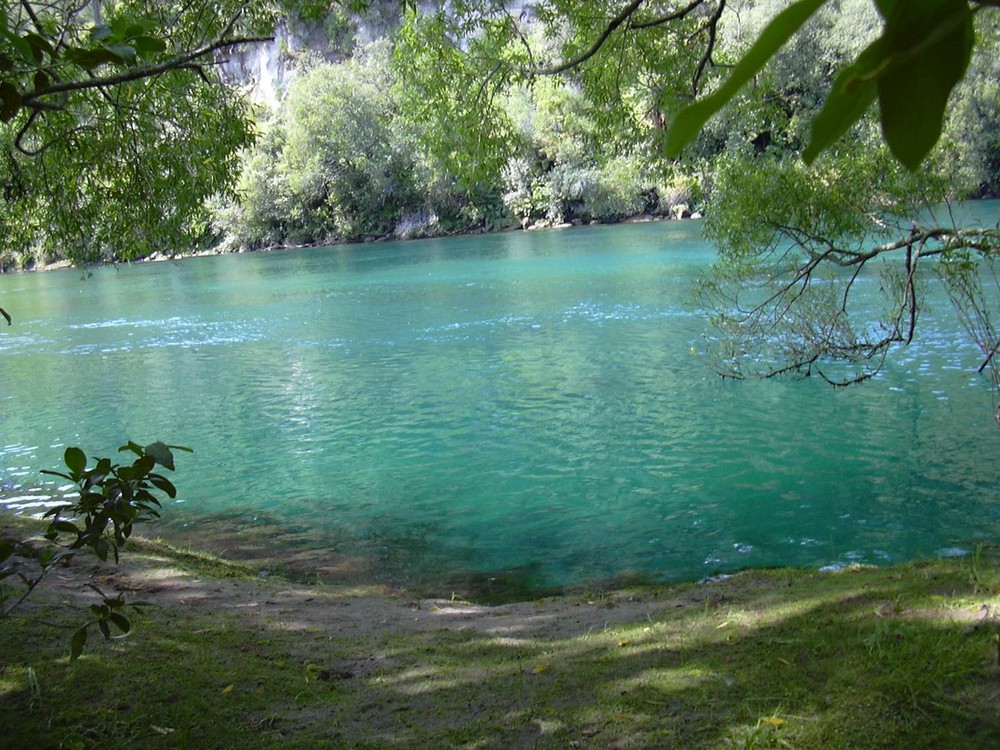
x: 419, y: 413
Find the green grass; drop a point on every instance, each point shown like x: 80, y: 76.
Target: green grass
x: 867, y: 658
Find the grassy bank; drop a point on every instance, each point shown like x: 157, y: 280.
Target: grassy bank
x: 898, y: 657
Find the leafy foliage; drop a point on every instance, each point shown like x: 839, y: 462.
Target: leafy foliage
x: 112, y: 499
x: 113, y: 128
x: 911, y: 68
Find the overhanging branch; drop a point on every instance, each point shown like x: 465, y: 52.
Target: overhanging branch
x: 626, y: 17
x: 34, y: 99
x: 613, y: 24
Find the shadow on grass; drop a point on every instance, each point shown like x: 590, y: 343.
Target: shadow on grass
x: 843, y: 661
x: 903, y: 657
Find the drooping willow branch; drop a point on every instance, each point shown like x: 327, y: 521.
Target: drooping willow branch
x: 808, y: 330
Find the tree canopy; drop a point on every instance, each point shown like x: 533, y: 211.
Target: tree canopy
x: 114, y: 131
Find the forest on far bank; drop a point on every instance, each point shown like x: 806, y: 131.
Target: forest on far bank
x: 378, y: 119
x: 393, y: 125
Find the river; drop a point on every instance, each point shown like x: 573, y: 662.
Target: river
x: 524, y: 406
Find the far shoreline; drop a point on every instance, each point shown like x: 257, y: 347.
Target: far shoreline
x: 220, y: 249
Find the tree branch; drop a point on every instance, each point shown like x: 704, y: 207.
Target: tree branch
x: 675, y: 16
x: 758, y: 311
x: 33, y: 99
x: 713, y: 27
x: 613, y: 24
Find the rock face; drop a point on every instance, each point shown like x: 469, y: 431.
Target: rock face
x: 680, y: 211
x: 421, y: 223
x: 266, y: 69
x: 259, y: 68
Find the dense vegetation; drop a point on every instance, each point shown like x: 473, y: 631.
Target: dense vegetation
x: 447, y: 127
x: 389, y: 121
x: 110, y: 141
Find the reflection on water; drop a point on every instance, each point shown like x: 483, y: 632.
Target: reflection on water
x: 510, y: 411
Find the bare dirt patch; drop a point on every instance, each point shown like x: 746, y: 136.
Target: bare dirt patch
x: 353, y: 612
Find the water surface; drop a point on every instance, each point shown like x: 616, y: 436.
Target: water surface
x: 532, y: 402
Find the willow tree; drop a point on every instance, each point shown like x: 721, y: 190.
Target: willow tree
x: 863, y: 190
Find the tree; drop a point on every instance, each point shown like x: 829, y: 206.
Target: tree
x: 806, y: 182
x: 343, y: 155
x: 795, y: 238
x: 113, y: 126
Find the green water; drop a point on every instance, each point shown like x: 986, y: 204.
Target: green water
x: 422, y: 412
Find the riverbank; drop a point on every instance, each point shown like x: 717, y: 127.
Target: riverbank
x: 541, y: 225
x: 896, y: 657
x: 224, y: 249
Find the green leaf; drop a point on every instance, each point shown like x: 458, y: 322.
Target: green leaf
x: 120, y: 621
x: 64, y: 527
x: 120, y: 26
x: 161, y: 454
x: 141, y: 467
x: 20, y: 45
x: 692, y: 118
x: 77, y: 642
x: 40, y: 47
x: 89, y: 59
x: 41, y: 81
x: 134, y: 447
x: 854, y: 89
x: 105, y: 630
x: 164, y: 484
x: 124, y: 52
x: 76, y: 460
x: 100, y: 32
x: 10, y: 104
x: 135, y: 29
x: 56, y: 474
x: 148, y: 45
x: 885, y: 7
x: 929, y: 43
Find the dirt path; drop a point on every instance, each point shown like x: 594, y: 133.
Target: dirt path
x: 343, y: 612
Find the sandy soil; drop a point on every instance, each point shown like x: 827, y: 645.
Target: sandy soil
x: 343, y: 612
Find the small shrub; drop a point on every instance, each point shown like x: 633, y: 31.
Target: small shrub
x: 112, y: 499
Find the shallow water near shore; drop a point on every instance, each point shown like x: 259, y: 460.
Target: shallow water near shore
x: 526, y: 407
